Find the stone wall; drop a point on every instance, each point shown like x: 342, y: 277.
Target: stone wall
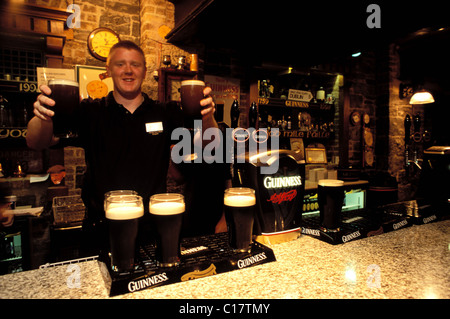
x: 407, y: 177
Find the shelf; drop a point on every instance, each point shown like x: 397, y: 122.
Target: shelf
x: 13, y: 133
x: 19, y: 86
x: 305, y: 134
x: 272, y: 102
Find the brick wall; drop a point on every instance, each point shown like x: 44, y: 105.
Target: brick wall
x: 398, y: 108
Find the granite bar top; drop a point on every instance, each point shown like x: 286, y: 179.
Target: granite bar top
x: 407, y: 263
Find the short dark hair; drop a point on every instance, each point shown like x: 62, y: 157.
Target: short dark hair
x: 125, y: 44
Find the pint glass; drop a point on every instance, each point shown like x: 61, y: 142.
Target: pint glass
x: 331, y: 198
x: 191, y: 95
x: 167, y: 210
x: 118, y: 193
x: 239, y: 212
x: 123, y: 213
x: 66, y: 95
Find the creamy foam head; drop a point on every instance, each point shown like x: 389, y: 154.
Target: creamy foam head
x: 167, y: 208
x: 239, y: 200
x: 192, y: 82
x: 123, y: 212
x: 62, y: 82
x: 331, y: 182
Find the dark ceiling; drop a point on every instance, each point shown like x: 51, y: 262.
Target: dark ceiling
x: 302, y: 33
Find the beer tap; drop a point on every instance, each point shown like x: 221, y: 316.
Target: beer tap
x: 234, y: 114
x: 417, y: 137
x: 407, y: 124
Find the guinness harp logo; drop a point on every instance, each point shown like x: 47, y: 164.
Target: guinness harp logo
x: 211, y: 270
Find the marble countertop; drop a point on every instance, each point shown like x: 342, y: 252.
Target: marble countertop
x: 407, y: 263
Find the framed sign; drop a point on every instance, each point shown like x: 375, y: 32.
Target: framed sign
x: 93, y: 81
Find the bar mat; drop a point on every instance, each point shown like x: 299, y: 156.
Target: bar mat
x: 200, y: 257
x: 363, y: 223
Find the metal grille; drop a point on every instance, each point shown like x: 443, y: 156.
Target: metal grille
x: 20, y: 63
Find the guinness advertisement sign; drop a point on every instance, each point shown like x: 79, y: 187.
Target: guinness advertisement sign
x: 279, y: 195
x: 200, y: 257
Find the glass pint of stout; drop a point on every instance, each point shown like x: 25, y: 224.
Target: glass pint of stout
x: 123, y: 214
x: 167, y: 210
x: 239, y: 212
x: 331, y: 198
x: 121, y: 192
x: 191, y: 95
x: 66, y: 95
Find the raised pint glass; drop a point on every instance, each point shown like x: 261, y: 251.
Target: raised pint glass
x: 191, y: 95
x: 123, y: 214
x: 66, y: 95
x: 331, y: 198
x: 239, y: 212
x: 167, y: 210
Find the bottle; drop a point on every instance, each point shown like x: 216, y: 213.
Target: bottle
x: 253, y: 115
x: 4, y: 113
x: 320, y: 95
x: 234, y: 114
x: 289, y: 123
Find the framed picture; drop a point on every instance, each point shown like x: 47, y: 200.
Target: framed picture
x: 93, y: 80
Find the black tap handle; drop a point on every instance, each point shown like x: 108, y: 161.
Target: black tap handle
x: 407, y: 124
x: 417, y: 123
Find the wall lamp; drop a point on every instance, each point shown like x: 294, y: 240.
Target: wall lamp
x: 420, y: 96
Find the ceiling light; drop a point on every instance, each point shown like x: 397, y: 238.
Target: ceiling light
x: 356, y: 54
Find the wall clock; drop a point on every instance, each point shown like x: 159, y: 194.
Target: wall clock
x: 355, y: 118
x: 169, y: 83
x: 100, y: 42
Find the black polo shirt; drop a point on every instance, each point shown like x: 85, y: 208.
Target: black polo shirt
x: 124, y: 150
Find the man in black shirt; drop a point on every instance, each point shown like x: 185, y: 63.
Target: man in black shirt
x: 126, y: 135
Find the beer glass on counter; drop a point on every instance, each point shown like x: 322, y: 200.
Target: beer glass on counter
x: 167, y: 210
x: 120, y: 192
x: 123, y: 214
x: 191, y: 95
x: 240, y: 212
x: 66, y: 95
x: 331, y: 196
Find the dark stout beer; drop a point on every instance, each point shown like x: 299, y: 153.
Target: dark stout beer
x: 191, y: 95
x: 123, y: 213
x: 239, y: 213
x: 331, y: 198
x: 66, y: 95
x: 167, y: 211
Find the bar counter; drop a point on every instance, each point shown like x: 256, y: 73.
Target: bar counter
x: 407, y: 263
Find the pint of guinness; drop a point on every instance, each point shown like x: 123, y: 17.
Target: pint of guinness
x: 331, y: 198
x: 66, y: 95
x: 240, y: 213
x: 167, y: 210
x: 123, y: 213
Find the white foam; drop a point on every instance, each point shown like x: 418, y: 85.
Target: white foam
x: 239, y: 200
x: 167, y: 208
x: 121, y: 212
x: 192, y: 82
x: 63, y: 82
x: 331, y: 182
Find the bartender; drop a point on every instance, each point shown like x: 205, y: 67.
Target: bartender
x: 121, y: 151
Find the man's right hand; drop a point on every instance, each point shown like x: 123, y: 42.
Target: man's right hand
x: 42, y: 104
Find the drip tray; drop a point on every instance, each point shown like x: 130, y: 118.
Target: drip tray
x: 363, y: 223
x: 200, y: 257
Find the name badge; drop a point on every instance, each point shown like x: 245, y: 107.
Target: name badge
x: 154, y: 127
